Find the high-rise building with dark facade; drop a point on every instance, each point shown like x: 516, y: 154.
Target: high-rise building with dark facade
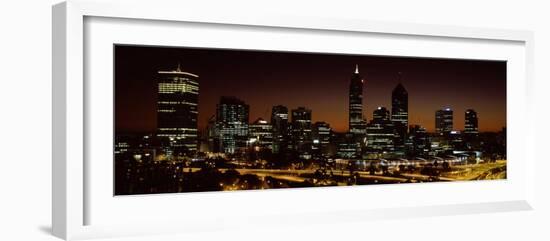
x: 380, y: 134
x: 356, y: 122
x: 444, y: 121
x: 420, y: 141
x: 301, y: 132
x: 177, y: 110
x: 279, y: 121
x: 232, y: 120
x: 321, y: 138
x: 400, y: 115
x: 456, y: 141
x: 470, y: 122
x: 471, y: 132
x: 346, y: 145
x: 260, y: 134
x: 213, y: 135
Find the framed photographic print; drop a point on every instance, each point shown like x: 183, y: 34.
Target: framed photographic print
x: 202, y: 122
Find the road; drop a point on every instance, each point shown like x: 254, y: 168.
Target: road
x: 296, y: 175
x: 496, y: 170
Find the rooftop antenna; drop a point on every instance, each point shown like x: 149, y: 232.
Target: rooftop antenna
x: 179, y: 67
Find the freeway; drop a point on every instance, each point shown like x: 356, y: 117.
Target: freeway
x: 297, y: 175
x: 483, y: 171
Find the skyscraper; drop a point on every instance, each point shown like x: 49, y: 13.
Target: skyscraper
x: 213, y: 135
x: 420, y: 141
x: 301, y: 132
x: 380, y: 133
x: 470, y: 122
x: 177, y: 110
x: 356, y: 122
x: 279, y: 121
x: 261, y: 134
x: 444, y: 121
x: 232, y: 121
x: 321, y: 138
x: 471, y: 132
x: 400, y: 115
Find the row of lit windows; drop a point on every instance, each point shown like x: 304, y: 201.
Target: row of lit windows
x: 233, y: 131
x: 262, y: 126
x: 166, y: 110
x: 256, y: 133
x: 122, y: 144
x: 176, y: 129
x: 176, y: 103
x: 177, y: 136
x: 174, y: 91
x: 177, y: 87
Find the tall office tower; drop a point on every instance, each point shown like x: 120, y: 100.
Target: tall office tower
x: 444, y: 121
x: 177, y: 110
x: 260, y: 134
x: 471, y: 132
x: 321, y: 138
x: 400, y: 115
x: 232, y: 121
x: 279, y: 121
x: 301, y: 132
x: 356, y: 122
x: 380, y: 134
x: 213, y: 135
x: 470, y: 122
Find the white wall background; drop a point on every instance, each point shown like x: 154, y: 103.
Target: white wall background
x: 25, y: 120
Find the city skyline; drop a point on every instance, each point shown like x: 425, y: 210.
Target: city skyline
x: 253, y: 76
x: 241, y: 150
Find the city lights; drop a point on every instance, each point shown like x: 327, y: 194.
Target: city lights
x: 221, y: 143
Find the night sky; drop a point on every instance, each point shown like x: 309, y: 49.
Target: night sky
x: 319, y: 82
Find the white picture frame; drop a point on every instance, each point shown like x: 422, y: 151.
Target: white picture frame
x: 72, y: 110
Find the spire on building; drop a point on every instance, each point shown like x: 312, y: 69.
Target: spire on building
x: 356, y: 68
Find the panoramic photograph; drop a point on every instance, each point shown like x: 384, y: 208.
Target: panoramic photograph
x: 206, y: 119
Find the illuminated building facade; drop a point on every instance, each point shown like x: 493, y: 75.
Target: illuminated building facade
x: 232, y: 123
x: 177, y: 110
x: 444, y: 121
x: 380, y: 134
x: 346, y: 146
x: 321, y: 138
x: 456, y: 141
x: 279, y: 121
x: 356, y: 122
x: 420, y: 141
x: 400, y: 115
x: 260, y: 134
x: 471, y: 132
x: 301, y: 132
x: 470, y: 122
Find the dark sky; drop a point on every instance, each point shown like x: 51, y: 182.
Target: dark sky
x: 317, y: 81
